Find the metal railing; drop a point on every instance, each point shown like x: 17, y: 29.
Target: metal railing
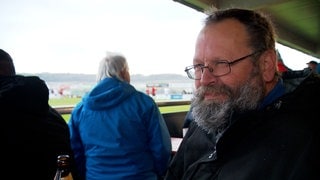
x: 174, y: 120
x: 68, y: 109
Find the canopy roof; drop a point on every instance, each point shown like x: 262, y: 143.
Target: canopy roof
x: 297, y: 21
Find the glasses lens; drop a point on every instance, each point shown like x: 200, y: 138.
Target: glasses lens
x: 190, y: 70
x: 217, y: 69
x: 220, y: 68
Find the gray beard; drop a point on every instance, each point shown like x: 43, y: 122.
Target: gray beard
x: 213, y: 116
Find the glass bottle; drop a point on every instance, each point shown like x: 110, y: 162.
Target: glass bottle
x: 63, y: 168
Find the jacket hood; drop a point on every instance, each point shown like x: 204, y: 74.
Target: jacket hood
x: 23, y: 93
x: 108, y: 93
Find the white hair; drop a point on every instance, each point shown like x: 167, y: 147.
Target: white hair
x: 112, y: 66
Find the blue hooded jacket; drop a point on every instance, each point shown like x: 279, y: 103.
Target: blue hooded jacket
x: 118, y: 132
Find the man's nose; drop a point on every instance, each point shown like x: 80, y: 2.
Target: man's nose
x: 207, y: 77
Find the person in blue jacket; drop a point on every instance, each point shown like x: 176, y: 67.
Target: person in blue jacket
x: 118, y: 132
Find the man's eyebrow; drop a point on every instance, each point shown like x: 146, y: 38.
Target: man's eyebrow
x: 197, y: 60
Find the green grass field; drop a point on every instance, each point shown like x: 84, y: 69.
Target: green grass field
x: 64, y: 101
x: 74, y: 101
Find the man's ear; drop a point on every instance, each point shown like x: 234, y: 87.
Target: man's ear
x: 125, y: 75
x: 268, y: 65
x: 122, y: 74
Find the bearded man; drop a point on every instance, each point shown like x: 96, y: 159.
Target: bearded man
x: 250, y: 121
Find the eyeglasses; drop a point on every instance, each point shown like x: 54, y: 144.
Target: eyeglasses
x: 218, y: 68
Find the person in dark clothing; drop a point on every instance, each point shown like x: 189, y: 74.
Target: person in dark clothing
x: 33, y: 134
x: 250, y: 121
x: 188, y: 119
x: 313, y: 65
x: 281, y: 66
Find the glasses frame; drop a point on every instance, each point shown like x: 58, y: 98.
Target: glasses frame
x: 202, y: 67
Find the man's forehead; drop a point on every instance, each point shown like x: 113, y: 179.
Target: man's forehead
x: 229, y: 33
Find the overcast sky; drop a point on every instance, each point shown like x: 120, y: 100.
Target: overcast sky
x: 72, y: 36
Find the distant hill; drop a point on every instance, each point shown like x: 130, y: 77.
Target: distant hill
x: 90, y: 78
x: 64, y: 77
x: 79, y: 84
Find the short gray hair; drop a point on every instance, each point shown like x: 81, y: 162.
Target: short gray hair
x: 111, y: 66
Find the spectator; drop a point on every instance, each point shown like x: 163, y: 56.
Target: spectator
x: 249, y: 122
x: 188, y: 119
x: 153, y: 91
x: 313, y: 65
x: 33, y: 134
x: 281, y: 66
x: 118, y: 132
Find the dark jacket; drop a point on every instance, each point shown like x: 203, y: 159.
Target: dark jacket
x: 279, y: 142
x: 32, y: 133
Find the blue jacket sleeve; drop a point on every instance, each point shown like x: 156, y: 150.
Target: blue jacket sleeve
x: 160, y: 141
x: 76, y: 143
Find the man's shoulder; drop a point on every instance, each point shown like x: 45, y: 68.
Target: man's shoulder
x: 55, y: 117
